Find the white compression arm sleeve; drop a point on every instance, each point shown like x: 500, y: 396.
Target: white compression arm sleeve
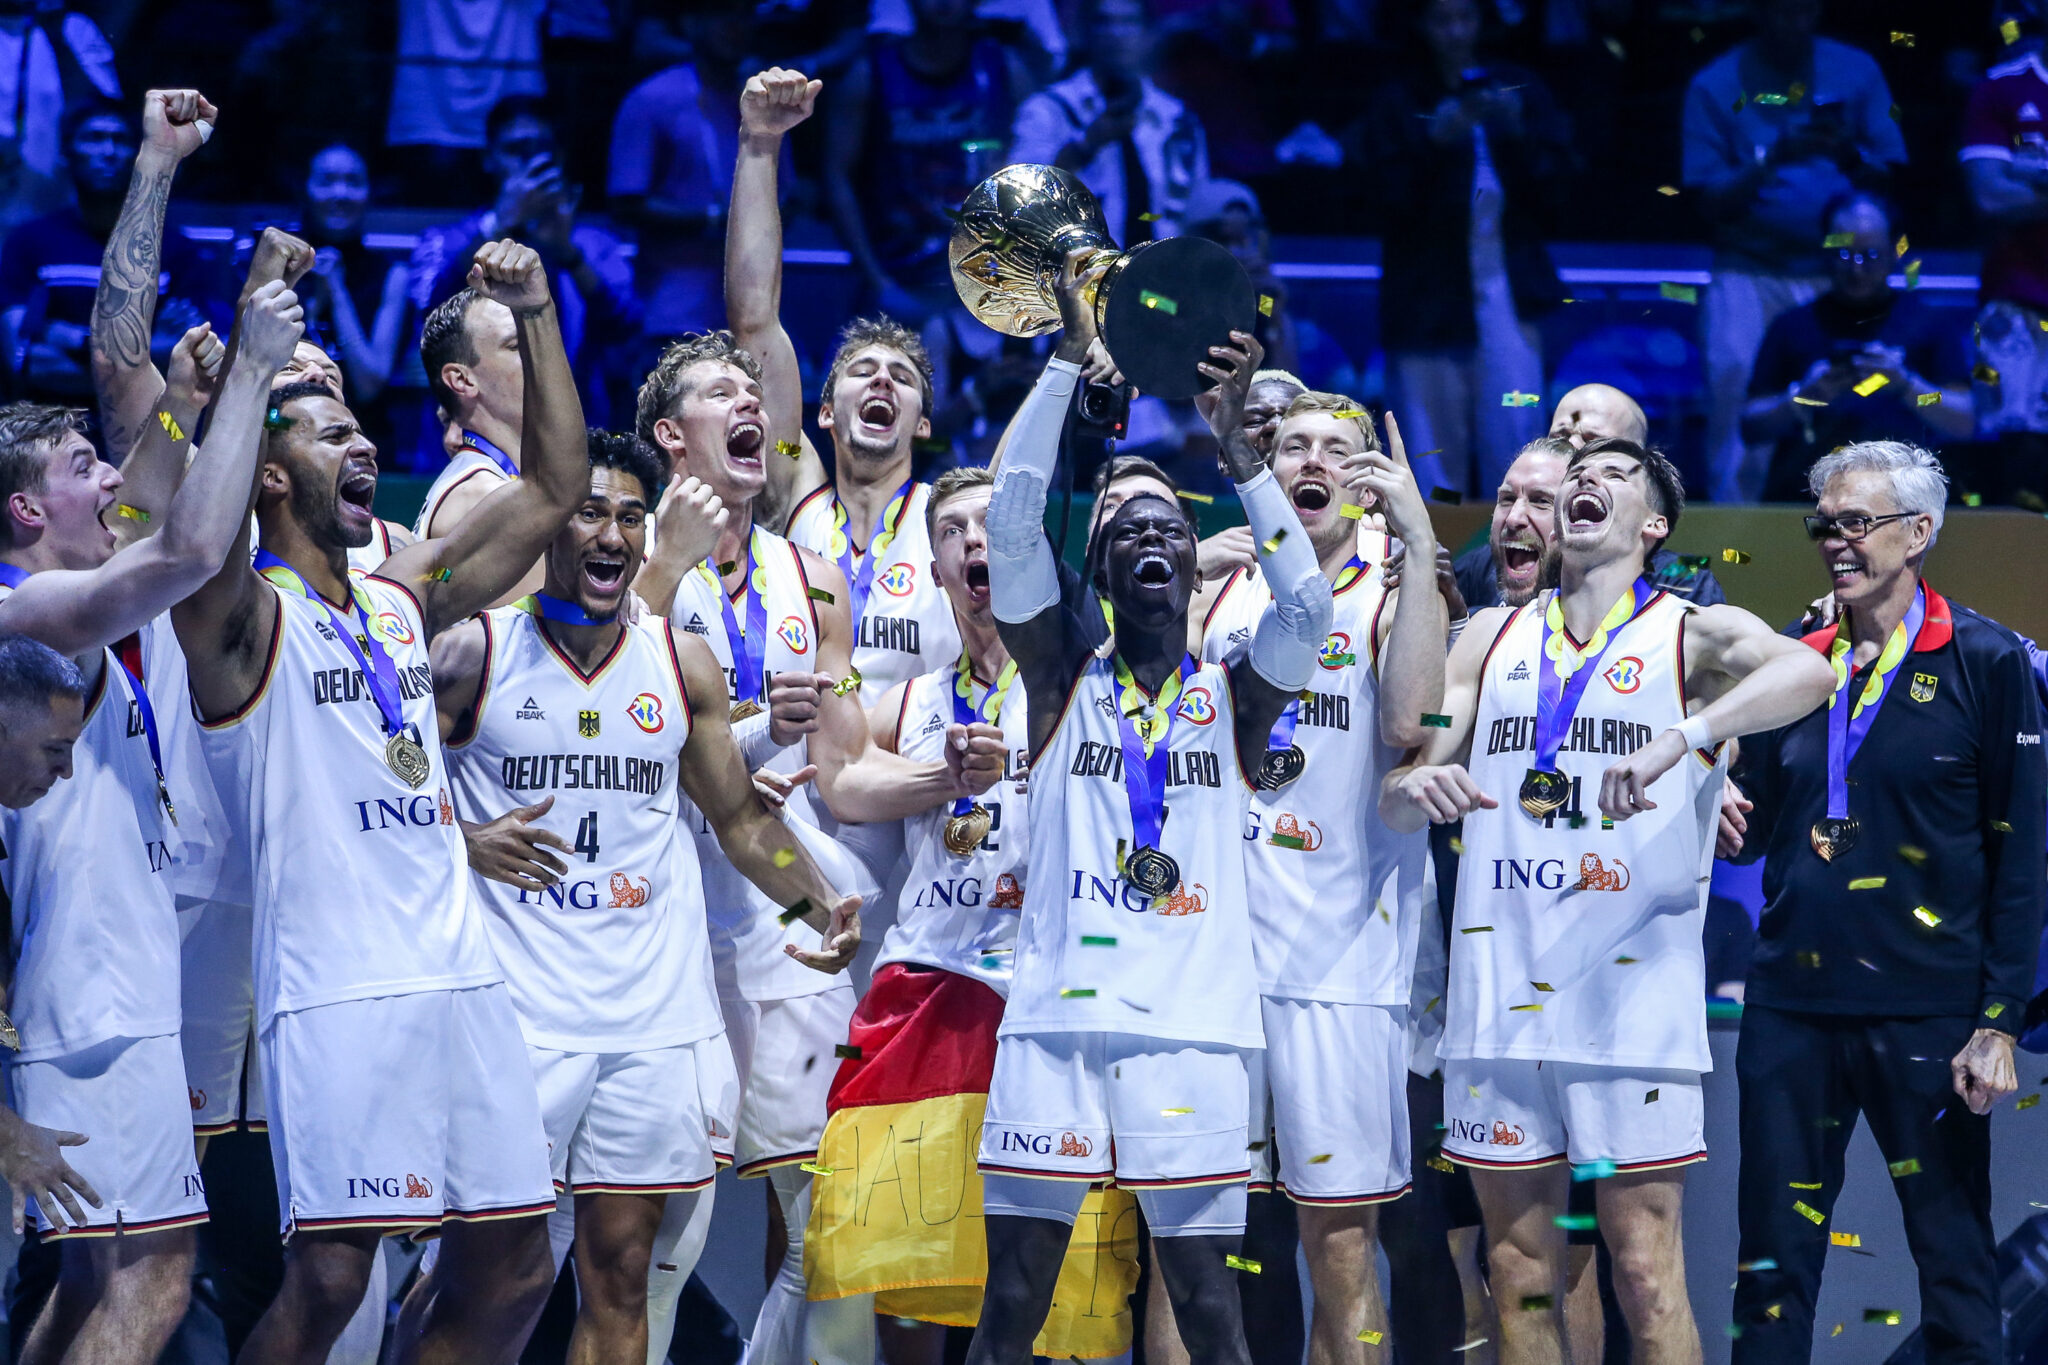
x: 1023, y: 577
x: 751, y: 735
x: 1289, y: 637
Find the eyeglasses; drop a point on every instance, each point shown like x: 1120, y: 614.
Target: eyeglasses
x: 1849, y: 528
x: 1860, y: 258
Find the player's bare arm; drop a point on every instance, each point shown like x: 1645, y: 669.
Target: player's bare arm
x: 751, y: 835
x: 687, y: 525
x: 500, y: 541
x: 156, y: 460
x: 74, y: 611
x: 1432, y: 787
x: 1751, y: 679
x: 772, y: 103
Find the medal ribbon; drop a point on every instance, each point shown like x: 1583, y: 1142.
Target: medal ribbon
x: 863, y: 582
x: 380, y: 675
x: 750, y: 646
x: 497, y: 456
x: 560, y: 611
x: 1562, y: 683
x: 1145, y: 729
x: 965, y: 712
x: 1849, y: 726
x: 1283, y: 728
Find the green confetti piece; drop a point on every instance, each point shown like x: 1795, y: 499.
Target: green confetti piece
x: 1515, y: 398
x: 814, y: 1168
x: 1294, y: 841
x: 1900, y: 1169
x: 1747, y: 1267
x: 846, y: 1050
x: 1866, y: 883
x: 275, y: 420
x: 1836, y: 240
x: 820, y: 595
x: 1576, y: 1222
x: 1098, y: 941
x: 1081, y: 993
x: 1435, y: 721
x: 1478, y: 929
x: 1249, y: 1267
x: 1651, y: 1098
x: 1772, y: 102
x: 1881, y: 1317
x: 2028, y: 1101
x: 1159, y: 302
x: 1626, y: 961
x: 1538, y: 1303
x: 1912, y: 274
x: 1593, y: 1170
x: 443, y: 575
x: 134, y: 514
x: 1544, y: 986
x: 1606, y: 823
x: 794, y: 912
x: 981, y: 144
x: 1735, y: 556
x: 1682, y: 293
x: 1926, y: 916
x: 1913, y: 854
x: 1993, y: 1010
x: 1575, y: 820
x: 1808, y: 1212
x: 1800, y: 1185
x: 1202, y: 498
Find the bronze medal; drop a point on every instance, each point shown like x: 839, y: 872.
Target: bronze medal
x: 1543, y: 793
x: 408, y: 760
x: 743, y: 710
x: 1151, y: 872
x: 1832, y: 837
x: 965, y: 832
x: 1280, y: 766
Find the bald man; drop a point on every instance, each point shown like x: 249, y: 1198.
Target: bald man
x: 1592, y: 411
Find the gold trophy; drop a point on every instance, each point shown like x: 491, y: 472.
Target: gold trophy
x: 1159, y: 307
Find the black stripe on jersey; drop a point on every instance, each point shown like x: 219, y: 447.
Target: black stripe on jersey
x: 675, y: 661
x: 796, y: 557
x: 1222, y: 595
x: 470, y: 722
x: 1066, y: 707
x: 269, y: 673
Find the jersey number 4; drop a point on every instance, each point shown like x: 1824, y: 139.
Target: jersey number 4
x: 586, y: 837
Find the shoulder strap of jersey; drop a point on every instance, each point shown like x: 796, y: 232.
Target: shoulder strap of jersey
x: 471, y: 721
x: 675, y: 663
x: 823, y: 490
x: 1238, y: 575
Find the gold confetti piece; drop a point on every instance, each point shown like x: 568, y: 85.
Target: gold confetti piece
x: 1869, y: 385
x: 1668, y: 191
x: 1433, y: 721
x: 1809, y: 402
x: 814, y: 1168
x: 1912, y: 274
x: 1910, y: 1166
x: 1926, y: 916
x: 2028, y: 1101
x: 1775, y: 1312
x: 135, y: 514
x: 1886, y: 1317
x: 1319, y: 1160
x: 1473, y: 1091
x: 1525, y: 1009
x: 1735, y: 556
x: 1928, y: 400
x: 1808, y: 1211
x: 1799, y: 1185
x: 1265, y: 305
x: 1437, y: 1163
x: 2001, y: 826
x: 1478, y: 929
x: 1350, y: 414
x: 849, y: 1051
x: 1809, y: 959
x: 1836, y: 240
x: 1538, y: 1303
x: 1543, y: 986
x: 1250, y: 1267
x: 1202, y: 498
x: 1458, y: 847
x: 1984, y: 374
x: 1174, y: 1113
x: 846, y: 684
x: 1681, y: 293
x: 793, y: 449
x: 1158, y: 302
x: 1900, y: 248
x: 1994, y: 1009
x: 170, y: 426
x: 1844, y: 1239
x: 1650, y: 1098
x: 2010, y: 31
x: 1351, y: 511
x: 729, y: 566
x: 1866, y: 883
x: 821, y: 595
x: 784, y: 857
x: 1515, y: 398
x: 1274, y: 543
x: 442, y: 575
x: 1901, y: 39
x: 1838, y: 1326
x: 1084, y: 993
x: 1371, y: 1338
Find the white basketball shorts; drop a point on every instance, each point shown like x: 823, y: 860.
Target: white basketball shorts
x: 784, y: 1052
x: 1504, y: 1113
x: 219, y: 1005
x: 653, y: 1122
x: 1330, y: 1092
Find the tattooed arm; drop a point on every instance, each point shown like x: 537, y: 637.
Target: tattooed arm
x: 174, y: 124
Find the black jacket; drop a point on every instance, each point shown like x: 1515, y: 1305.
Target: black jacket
x: 1949, y: 786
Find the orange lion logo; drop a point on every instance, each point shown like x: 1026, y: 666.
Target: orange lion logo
x: 198, y: 1098
x: 1008, y: 894
x: 1595, y: 875
x: 416, y: 1188
x: 1504, y: 1136
x: 625, y: 895
x: 1074, y: 1146
x: 1183, y: 903
x: 447, y: 808
x: 1288, y: 833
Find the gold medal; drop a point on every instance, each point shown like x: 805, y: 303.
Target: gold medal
x: 743, y: 710
x: 1544, y: 792
x: 964, y: 833
x: 1833, y: 837
x: 10, y: 1036
x: 408, y: 760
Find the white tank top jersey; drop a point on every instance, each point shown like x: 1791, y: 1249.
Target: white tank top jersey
x: 1093, y: 953
x: 212, y: 856
x: 613, y: 958
x: 747, y: 935
x: 87, y: 870
x: 368, y: 558
x: 1340, y: 895
x: 906, y: 627
x: 1583, y: 945
x: 361, y: 884
x: 959, y: 913
x: 467, y: 463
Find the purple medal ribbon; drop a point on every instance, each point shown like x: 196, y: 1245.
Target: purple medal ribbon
x: 497, y: 456
x: 1557, y: 699
x: 1846, y: 733
x: 380, y: 675
x: 862, y: 583
x: 749, y: 647
x: 1145, y: 776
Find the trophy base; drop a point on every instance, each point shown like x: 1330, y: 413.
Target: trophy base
x: 1165, y: 303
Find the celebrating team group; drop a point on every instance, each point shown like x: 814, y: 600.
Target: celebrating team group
x: 509, y: 870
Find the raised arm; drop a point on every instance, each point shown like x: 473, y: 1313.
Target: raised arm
x: 498, y: 542
x: 1432, y: 786
x: 751, y: 835
x: 175, y: 123
x: 156, y: 461
x: 1410, y: 650
x: 772, y: 103
x: 73, y: 611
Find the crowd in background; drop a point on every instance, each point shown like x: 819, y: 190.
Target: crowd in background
x: 1814, y: 148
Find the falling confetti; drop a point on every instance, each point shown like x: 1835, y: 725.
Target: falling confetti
x: 1809, y: 402
x: 1798, y: 1185
x: 1894, y: 113
x: 134, y: 514
x: 1265, y: 305
x: 2010, y: 31
x: 1593, y: 1170
x: 1202, y: 498
x: 1765, y: 1263
x: 793, y: 449
x: 846, y: 684
x: 1838, y: 1326
x: 1538, y: 1303
x: 1984, y: 374
x: 442, y: 575
x: 1866, y: 883
x: 1650, y: 1098
x: 1159, y: 302
x: 1901, y: 39
x: 784, y: 857
x: 1900, y: 248
x: 1808, y: 1212
x: 1869, y: 385
x: 1371, y: 1338
x: 1844, y: 1239
x: 1097, y: 941
x: 1912, y: 274
x: 1681, y: 293
x: 1910, y: 1166
x: 2001, y: 826
x: 1434, y: 721
x: 1735, y: 556
x: 1836, y: 240
x: 1515, y: 398
x: 1809, y: 959
x: 1525, y: 1009
x: 814, y: 1168
x: 1626, y: 961
x: 1576, y: 1222
x: 1274, y: 543
x: 1351, y: 511
x: 1458, y: 847
x: 1926, y: 916
x: 1319, y: 1160
x: 1544, y: 986
x: 1668, y: 191
x: 1993, y: 1010
x: 2028, y: 1101
x: 1240, y: 1263
x: 1174, y: 1113
x: 1881, y: 1317
x: 821, y: 595
x: 850, y: 1051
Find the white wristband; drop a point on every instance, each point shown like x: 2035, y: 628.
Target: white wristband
x: 1696, y: 731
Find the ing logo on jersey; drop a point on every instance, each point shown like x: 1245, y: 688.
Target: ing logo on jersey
x: 1288, y: 833
x: 1197, y: 706
x: 1336, y: 652
x: 1595, y: 875
x: 898, y: 580
x: 645, y: 712
x: 1185, y: 902
x: 1625, y: 675
x: 392, y: 627
x: 625, y: 895
x: 792, y: 632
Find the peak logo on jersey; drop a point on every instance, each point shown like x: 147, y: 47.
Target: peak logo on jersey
x: 792, y: 632
x: 645, y: 711
x: 530, y: 711
x: 1336, y: 652
x: 625, y: 895
x: 447, y: 807
x: 1595, y: 875
x: 1923, y: 686
x: 588, y: 724
x: 1625, y: 674
x: 1008, y: 894
x: 1197, y: 706
x: 1520, y: 672
x: 933, y: 724
x: 392, y: 627
x: 1181, y: 901
x: 1239, y: 636
x: 898, y: 580
x: 696, y: 626
x: 1070, y: 1145
x: 1287, y: 833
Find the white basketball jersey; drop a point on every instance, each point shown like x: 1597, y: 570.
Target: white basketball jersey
x: 361, y: 885
x: 906, y: 627
x: 747, y: 935
x: 212, y: 855
x: 468, y: 463
x: 953, y: 912
x: 1340, y: 895
x: 612, y: 958
x: 1583, y: 944
x: 1094, y: 954
x: 367, y: 558
x: 87, y: 870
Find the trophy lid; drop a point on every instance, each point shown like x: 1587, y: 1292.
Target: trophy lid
x: 1167, y: 303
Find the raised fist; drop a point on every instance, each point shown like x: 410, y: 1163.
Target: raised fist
x: 776, y: 101
x: 511, y: 274
x: 271, y: 327
x: 176, y: 123
x: 280, y: 256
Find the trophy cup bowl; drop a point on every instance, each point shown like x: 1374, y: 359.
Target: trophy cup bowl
x: 1159, y: 307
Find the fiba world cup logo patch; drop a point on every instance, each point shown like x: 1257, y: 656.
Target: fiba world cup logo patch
x: 645, y: 712
x: 792, y: 632
x: 1625, y: 674
x: 1336, y: 652
x: 1197, y: 706
x: 898, y: 580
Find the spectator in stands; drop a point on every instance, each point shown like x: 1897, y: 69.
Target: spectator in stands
x: 915, y: 123
x: 588, y: 269
x: 1228, y: 213
x: 1774, y: 129
x: 1817, y: 382
x: 1472, y: 158
x: 1592, y: 412
x: 457, y: 62
x: 1032, y: 27
x: 50, y: 266
x: 51, y: 59
x: 673, y: 147
x: 354, y: 297
x: 2005, y: 167
x: 1134, y: 145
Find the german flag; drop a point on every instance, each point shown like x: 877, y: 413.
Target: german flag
x: 900, y: 1216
